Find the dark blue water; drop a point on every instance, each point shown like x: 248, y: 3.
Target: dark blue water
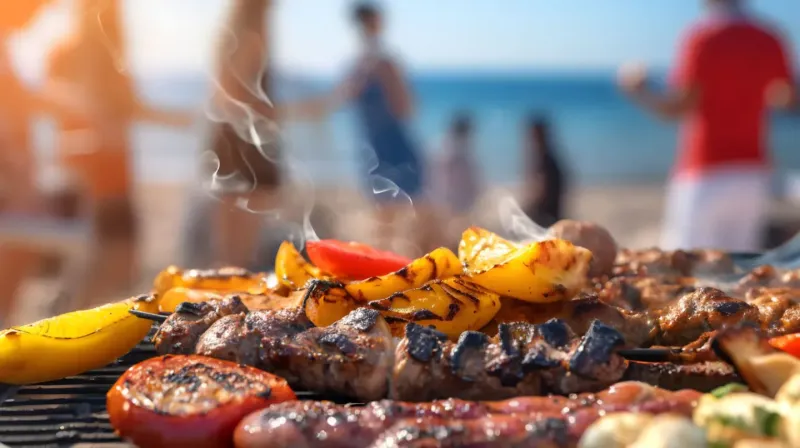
x: 602, y: 136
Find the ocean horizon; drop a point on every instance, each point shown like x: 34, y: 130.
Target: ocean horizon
x: 602, y: 138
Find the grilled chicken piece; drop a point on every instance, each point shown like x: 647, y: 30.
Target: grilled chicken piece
x: 352, y: 357
x: 534, y: 420
x: 523, y: 359
x: 180, y: 332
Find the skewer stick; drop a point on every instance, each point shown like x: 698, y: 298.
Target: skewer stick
x: 651, y: 354
x: 150, y: 316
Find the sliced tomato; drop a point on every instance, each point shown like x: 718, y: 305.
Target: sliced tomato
x: 189, y: 401
x: 354, y: 261
x: 789, y: 343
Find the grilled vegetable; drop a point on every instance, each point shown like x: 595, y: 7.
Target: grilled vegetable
x: 292, y: 270
x: 229, y: 279
x: 325, y: 302
x: 442, y: 263
x: 451, y: 306
x: 173, y: 297
x: 72, y: 343
x: 481, y: 249
x: 738, y: 416
x: 189, y: 401
x: 789, y: 344
x: 547, y: 271
x: 761, y: 366
x: 353, y: 261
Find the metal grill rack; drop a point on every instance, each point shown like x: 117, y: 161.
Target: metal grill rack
x: 67, y: 412
x: 71, y: 412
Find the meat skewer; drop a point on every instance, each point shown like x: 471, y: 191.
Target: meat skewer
x: 526, y: 421
x: 523, y: 359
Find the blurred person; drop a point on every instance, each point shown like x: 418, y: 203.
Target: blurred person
x: 545, y: 181
x: 18, y: 193
x: 378, y: 89
x: 454, y: 177
x: 86, y: 75
x: 730, y: 68
x: 220, y: 229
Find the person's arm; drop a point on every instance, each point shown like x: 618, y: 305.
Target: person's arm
x: 682, y: 95
x: 322, y: 105
x: 671, y: 104
x: 782, y: 91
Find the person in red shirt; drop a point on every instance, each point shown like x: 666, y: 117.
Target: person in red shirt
x: 731, y: 68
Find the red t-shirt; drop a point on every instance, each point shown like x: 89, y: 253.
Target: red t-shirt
x: 731, y: 62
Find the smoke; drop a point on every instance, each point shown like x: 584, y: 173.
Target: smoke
x: 516, y: 224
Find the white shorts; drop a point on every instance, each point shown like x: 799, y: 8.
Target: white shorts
x: 723, y: 210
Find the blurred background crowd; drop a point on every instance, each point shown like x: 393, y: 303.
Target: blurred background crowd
x: 136, y: 134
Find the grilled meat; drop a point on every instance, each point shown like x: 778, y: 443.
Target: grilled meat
x: 636, y: 328
x: 352, y: 357
x: 179, y: 334
x: 524, y: 421
x: 523, y: 359
x: 672, y: 264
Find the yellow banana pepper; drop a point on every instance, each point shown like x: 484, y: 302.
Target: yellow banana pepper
x: 72, y: 343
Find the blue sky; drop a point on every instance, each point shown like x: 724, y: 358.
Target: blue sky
x: 315, y: 36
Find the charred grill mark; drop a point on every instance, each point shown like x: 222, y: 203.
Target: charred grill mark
x: 147, y: 298
x: 556, y: 332
x: 340, y: 341
x: 194, y: 309
x: 434, y: 268
x: 362, y: 319
x: 596, y: 349
x: 452, y: 311
x: 507, y: 342
x: 469, y: 343
x: 381, y: 305
x: 731, y: 307
x: 454, y: 293
x: 419, y: 315
x: 423, y: 343
x: 405, y: 273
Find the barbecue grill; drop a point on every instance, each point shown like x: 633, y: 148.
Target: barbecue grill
x: 71, y: 411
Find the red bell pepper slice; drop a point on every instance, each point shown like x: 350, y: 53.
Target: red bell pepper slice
x: 789, y: 343
x: 353, y: 261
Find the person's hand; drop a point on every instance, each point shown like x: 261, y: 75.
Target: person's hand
x: 632, y: 78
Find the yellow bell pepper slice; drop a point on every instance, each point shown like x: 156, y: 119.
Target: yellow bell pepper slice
x: 542, y: 272
x: 442, y: 263
x: 72, y: 343
x: 480, y: 249
x: 325, y: 302
x: 452, y: 306
x: 228, y: 279
x: 292, y: 270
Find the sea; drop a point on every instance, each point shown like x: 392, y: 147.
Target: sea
x: 602, y: 138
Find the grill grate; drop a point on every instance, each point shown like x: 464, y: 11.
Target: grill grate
x: 70, y: 411
x: 66, y: 412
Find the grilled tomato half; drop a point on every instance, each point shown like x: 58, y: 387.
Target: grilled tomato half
x: 189, y: 401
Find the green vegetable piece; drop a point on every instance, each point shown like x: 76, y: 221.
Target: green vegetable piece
x: 728, y: 389
x: 768, y: 421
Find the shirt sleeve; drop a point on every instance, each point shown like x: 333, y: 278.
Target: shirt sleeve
x: 783, y: 62
x: 689, y: 66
